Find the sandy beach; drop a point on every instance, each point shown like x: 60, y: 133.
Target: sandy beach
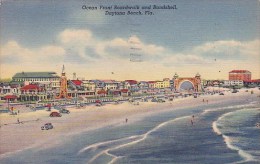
x: 28, y: 133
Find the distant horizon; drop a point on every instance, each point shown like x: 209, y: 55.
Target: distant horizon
x: 70, y: 77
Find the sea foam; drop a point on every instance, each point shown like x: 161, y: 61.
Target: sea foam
x: 139, y: 138
x: 228, y: 140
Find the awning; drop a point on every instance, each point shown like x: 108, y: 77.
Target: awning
x: 101, y: 92
x: 124, y: 90
x: 10, y: 97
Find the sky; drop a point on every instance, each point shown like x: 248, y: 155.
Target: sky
x: 203, y: 36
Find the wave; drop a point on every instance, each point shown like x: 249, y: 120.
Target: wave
x: 246, y: 156
x: 139, y: 138
x: 215, y: 128
x: 96, y: 145
x: 228, y: 140
x: 7, y: 154
x: 228, y: 107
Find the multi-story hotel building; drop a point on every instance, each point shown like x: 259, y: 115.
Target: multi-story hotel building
x: 48, y: 78
x: 243, y: 75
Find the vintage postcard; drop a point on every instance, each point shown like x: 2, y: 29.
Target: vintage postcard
x: 129, y: 81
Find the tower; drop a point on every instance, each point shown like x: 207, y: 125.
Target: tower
x: 74, y: 76
x: 63, y: 85
x: 175, y: 76
x: 197, y: 83
x: 175, y: 81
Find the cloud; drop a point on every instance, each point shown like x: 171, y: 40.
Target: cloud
x: 80, y: 48
x: 75, y: 37
x: 12, y: 52
x: 229, y: 48
x: 82, y: 44
x: 51, y: 51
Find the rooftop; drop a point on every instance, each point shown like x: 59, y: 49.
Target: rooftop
x: 131, y: 82
x: 31, y: 87
x: 35, y: 75
x: 239, y: 71
x: 77, y: 82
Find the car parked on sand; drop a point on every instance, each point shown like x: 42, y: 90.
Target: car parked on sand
x: 63, y: 110
x: 154, y: 100
x: 234, y: 91
x: 160, y: 100
x: 98, y: 104
x: 55, y: 114
x: 47, y: 126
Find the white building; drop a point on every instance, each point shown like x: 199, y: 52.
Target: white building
x: 111, y: 84
x: 51, y: 79
x: 233, y: 83
x: 89, y: 85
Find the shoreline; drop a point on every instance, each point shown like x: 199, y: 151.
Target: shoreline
x: 29, y: 134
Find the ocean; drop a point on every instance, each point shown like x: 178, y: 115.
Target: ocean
x: 219, y: 133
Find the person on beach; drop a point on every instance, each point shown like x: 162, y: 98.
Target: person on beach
x: 126, y: 120
x: 191, y: 122
x: 203, y: 100
x: 207, y: 101
x: 18, y: 121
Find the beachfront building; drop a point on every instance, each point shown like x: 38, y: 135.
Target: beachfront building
x: 112, y: 87
x: 152, y: 87
x: 252, y: 83
x: 188, y: 84
x: 228, y: 83
x: 151, y: 84
x: 89, y: 85
x: 7, y: 89
x: 50, y: 79
x: 99, y: 84
x: 143, y: 86
x: 131, y: 85
x: 124, y: 92
x: 163, y: 84
x: 243, y: 75
x: 34, y: 92
x: 111, y: 84
x: 76, y: 85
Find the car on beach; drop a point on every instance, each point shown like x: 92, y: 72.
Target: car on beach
x: 63, y: 110
x: 160, y: 100
x: 55, y: 114
x: 98, y: 104
x: 47, y: 126
x: 154, y: 100
x: 234, y: 91
x: 144, y: 100
x: 131, y: 100
x: 116, y: 102
x: 221, y: 93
